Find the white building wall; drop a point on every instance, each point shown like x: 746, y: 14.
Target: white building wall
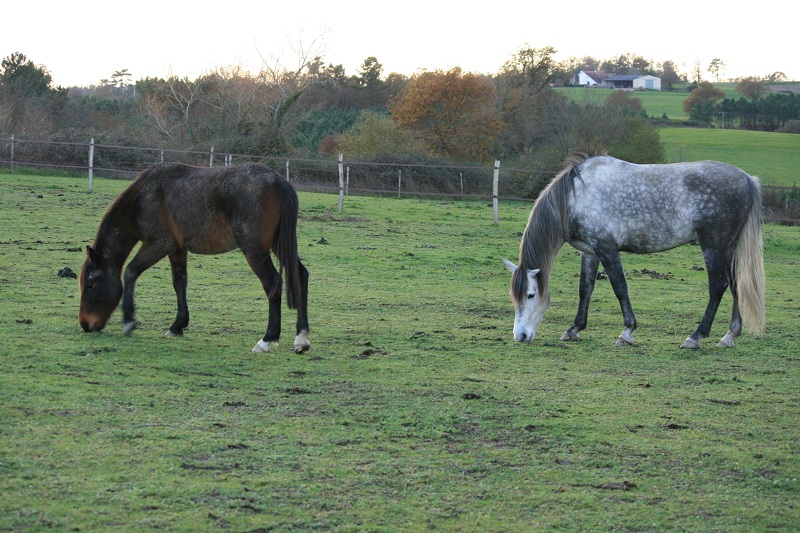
x: 583, y: 79
x: 647, y: 82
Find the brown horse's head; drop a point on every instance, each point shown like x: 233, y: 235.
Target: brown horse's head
x: 101, y: 290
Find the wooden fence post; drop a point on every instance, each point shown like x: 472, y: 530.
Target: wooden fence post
x: 12, y: 154
x: 399, y: 181
x: 347, y: 182
x: 211, y: 159
x: 287, y: 170
x: 495, y: 181
x: 341, y: 183
x: 91, y: 163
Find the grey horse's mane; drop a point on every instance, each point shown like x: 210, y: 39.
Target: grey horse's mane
x: 548, y: 227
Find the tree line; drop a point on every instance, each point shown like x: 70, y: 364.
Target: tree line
x: 315, y: 110
x: 757, y: 109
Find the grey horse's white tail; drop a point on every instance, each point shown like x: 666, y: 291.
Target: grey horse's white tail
x: 748, y: 267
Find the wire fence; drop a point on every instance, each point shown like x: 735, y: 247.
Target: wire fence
x: 368, y: 177
x: 345, y: 177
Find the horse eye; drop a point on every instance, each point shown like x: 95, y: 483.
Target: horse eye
x: 531, y: 295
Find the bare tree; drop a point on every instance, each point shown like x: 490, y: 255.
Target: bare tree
x: 697, y: 71
x: 716, y: 68
x: 155, y: 112
x: 168, y: 107
x: 283, y: 85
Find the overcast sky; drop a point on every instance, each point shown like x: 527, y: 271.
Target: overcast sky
x: 83, y: 42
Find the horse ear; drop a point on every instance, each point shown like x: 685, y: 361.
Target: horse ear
x: 533, y: 273
x: 91, y: 254
x: 510, y: 266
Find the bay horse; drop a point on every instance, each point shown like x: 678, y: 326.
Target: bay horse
x: 603, y: 206
x: 173, y: 209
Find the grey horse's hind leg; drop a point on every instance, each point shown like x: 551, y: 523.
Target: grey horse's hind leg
x: 736, y: 321
x: 717, y: 284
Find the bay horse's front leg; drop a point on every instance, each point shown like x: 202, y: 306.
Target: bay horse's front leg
x: 146, y: 257
x: 180, y: 281
x: 589, y: 266
x: 616, y: 275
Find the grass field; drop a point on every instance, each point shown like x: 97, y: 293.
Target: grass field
x: 414, y: 408
x: 656, y: 104
x: 773, y: 157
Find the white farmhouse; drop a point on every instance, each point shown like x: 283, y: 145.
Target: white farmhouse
x: 591, y: 78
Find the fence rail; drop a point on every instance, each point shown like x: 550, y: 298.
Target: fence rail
x: 359, y: 177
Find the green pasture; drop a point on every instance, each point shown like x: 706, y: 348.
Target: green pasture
x: 413, y: 410
x: 773, y: 157
x: 656, y: 104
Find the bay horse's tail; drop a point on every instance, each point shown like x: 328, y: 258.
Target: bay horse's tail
x: 285, y: 244
x: 748, y: 266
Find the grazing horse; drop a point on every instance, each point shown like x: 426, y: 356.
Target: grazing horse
x: 603, y: 206
x: 173, y: 209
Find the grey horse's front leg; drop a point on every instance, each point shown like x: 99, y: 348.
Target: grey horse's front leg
x: 589, y: 266
x: 616, y: 275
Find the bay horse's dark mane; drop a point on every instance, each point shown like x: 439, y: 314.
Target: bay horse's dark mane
x: 548, y: 227
x: 124, y: 203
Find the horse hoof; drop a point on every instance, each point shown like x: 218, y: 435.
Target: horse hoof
x: 128, y: 327
x: 262, y: 347
x: 570, y: 337
x: 725, y: 342
x: 171, y: 333
x: 301, y: 343
x: 690, y: 344
x: 624, y: 340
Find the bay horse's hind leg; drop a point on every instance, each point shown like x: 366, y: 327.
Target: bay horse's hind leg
x: 261, y: 264
x: 717, y: 284
x: 301, y: 342
x: 177, y: 261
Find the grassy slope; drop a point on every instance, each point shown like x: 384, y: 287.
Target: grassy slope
x: 771, y: 156
x: 413, y: 410
x: 655, y: 103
